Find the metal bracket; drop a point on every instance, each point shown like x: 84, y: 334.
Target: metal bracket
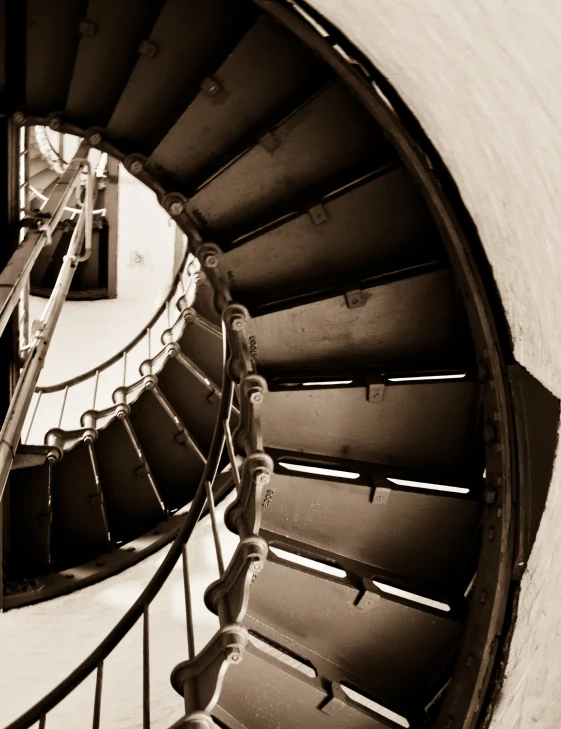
x: 211, y: 85
x: 381, y: 495
x: 96, y: 499
x: 336, y: 702
x: 148, y: 48
x: 141, y: 471
x: 317, y: 214
x: 354, y: 299
x: 212, y: 396
x: 180, y: 437
x: 269, y: 142
x: 375, y: 391
x: 87, y: 28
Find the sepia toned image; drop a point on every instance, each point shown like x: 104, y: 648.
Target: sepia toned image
x: 280, y: 364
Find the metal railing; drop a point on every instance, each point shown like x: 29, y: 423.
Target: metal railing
x: 15, y: 278
x: 93, y: 390
x: 200, y: 677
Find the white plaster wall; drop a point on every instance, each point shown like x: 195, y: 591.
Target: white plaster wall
x: 90, y: 332
x: 482, y: 76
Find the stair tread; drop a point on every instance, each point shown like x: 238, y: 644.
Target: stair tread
x: 374, y: 227
x: 203, y: 348
x: 189, y: 398
x: 265, y: 75
x: 406, y: 324
x: 258, y: 694
x: 172, y: 76
x: 79, y: 523
x: 177, y: 468
x: 416, y: 537
x: 29, y: 505
x: 396, y: 650
x: 424, y: 425
x: 52, y: 42
x: 329, y: 141
x: 132, y: 506
x: 105, y: 59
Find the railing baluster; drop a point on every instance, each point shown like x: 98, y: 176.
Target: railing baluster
x: 97, y: 699
x: 217, y: 546
x: 168, y: 311
x: 145, y: 670
x: 231, y: 454
x: 188, y: 607
x: 42, y: 721
x: 148, y: 333
x: 95, y: 388
x: 33, y: 415
x: 63, y: 405
x: 124, y: 368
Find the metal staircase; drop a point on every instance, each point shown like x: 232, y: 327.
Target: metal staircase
x: 340, y: 368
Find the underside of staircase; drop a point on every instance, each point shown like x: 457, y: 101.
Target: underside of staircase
x: 398, y: 511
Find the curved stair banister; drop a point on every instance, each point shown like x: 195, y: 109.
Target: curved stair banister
x: 15, y: 279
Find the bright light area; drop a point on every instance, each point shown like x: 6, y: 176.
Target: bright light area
x: 412, y: 596
x: 373, y: 706
x: 429, y: 486
x: 327, y: 382
x: 319, y: 471
x: 289, y: 660
x: 427, y: 377
x: 310, y: 563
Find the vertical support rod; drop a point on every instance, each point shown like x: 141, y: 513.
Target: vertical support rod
x: 145, y: 670
x: 42, y: 721
x: 63, y: 406
x: 148, y: 333
x: 33, y: 415
x: 96, y: 383
x: 188, y: 606
x: 210, y: 499
x: 97, y: 698
x: 125, y: 368
x: 231, y: 453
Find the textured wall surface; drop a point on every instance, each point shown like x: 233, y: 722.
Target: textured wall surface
x: 482, y: 77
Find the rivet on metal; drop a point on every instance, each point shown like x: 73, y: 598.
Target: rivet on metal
x: 491, y: 534
x: 490, y: 495
x: 19, y: 117
x: 136, y: 167
x: 376, y: 392
x: 482, y: 598
x: 354, y: 299
x: 269, y: 142
x: 148, y: 48
x: 95, y: 138
x: 211, y: 86
x: 176, y: 208
x: 55, y: 123
x: 88, y: 28
x: 469, y: 662
x: 317, y: 214
x: 381, y: 495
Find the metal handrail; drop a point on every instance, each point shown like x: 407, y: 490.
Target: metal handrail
x: 177, y: 280
x: 138, y: 609
x: 16, y: 273
x: 55, y: 161
x: 19, y: 405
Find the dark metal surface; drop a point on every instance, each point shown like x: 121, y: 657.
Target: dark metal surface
x: 375, y: 227
x: 176, y: 467
x: 435, y: 531
x: 204, y: 349
x: 422, y: 425
x: 191, y: 43
x: 409, y: 324
x: 291, y: 161
x: 30, y: 509
x: 264, y: 78
x: 132, y: 505
x: 395, y: 649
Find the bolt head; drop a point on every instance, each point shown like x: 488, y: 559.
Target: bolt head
x: 176, y: 208
x: 136, y: 167
x: 55, y: 123
x: 19, y: 117
x: 237, y: 324
x: 211, y: 261
x: 490, y: 496
x: 256, y: 398
x: 95, y: 138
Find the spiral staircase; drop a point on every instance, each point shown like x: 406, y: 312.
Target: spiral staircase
x: 342, y: 366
